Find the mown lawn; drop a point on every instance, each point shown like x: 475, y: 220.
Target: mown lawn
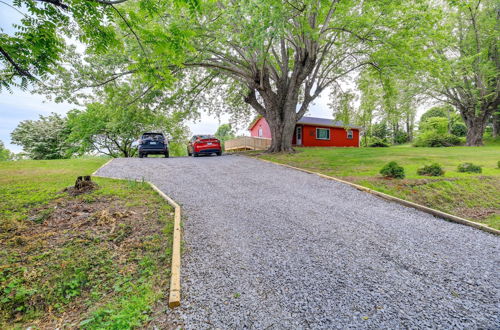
x: 98, y: 260
x: 472, y: 196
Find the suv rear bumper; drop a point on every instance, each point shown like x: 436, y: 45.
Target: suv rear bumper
x: 208, y: 151
x: 153, y: 151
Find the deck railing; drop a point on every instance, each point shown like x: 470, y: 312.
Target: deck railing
x: 247, y: 143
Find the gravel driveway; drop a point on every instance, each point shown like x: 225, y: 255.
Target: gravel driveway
x: 272, y: 247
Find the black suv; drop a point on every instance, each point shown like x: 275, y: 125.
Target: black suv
x: 153, y: 143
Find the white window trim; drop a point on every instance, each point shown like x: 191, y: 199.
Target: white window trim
x: 260, y: 132
x: 351, y: 135
x: 317, y: 129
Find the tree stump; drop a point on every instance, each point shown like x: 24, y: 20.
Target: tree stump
x: 83, y: 184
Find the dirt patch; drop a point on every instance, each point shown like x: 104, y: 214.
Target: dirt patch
x: 74, y: 254
x: 478, y: 213
x: 396, y: 182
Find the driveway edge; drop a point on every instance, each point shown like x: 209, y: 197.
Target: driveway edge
x: 174, y: 299
x: 422, y: 208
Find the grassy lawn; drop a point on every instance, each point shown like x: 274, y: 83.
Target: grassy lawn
x: 472, y: 196
x: 94, y: 260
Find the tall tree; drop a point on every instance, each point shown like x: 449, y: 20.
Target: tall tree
x: 343, y: 107
x: 45, y: 138
x: 369, y: 107
x: 280, y: 55
x: 463, y: 62
x: 114, y: 119
x: 389, y: 99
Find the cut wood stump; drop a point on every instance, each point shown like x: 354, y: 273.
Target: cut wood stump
x: 83, y: 184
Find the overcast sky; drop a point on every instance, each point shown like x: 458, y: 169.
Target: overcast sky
x: 21, y: 105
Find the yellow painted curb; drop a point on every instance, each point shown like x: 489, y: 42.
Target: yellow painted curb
x: 174, y: 299
x: 426, y: 209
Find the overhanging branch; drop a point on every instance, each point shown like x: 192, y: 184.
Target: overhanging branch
x: 17, y: 67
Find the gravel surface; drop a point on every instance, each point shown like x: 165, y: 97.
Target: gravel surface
x: 272, y: 247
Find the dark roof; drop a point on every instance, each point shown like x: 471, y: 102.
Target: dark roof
x: 323, y: 122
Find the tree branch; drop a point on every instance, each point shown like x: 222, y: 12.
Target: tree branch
x: 21, y: 71
x: 251, y: 99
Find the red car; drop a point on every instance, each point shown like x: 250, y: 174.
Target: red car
x: 204, y: 144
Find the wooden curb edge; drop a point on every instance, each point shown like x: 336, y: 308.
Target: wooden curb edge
x: 174, y: 298
x: 434, y: 212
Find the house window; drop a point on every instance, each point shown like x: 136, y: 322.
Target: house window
x: 260, y: 131
x: 349, y: 134
x: 322, y: 134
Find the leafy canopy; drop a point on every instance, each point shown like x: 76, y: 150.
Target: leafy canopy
x: 5, y: 153
x: 32, y: 52
x: 45, y: 138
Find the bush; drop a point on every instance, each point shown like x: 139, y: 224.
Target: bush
x: 438, y: 111
x: 435, y: 139
x: 393, y: 170
x: 401, y: 137
x: 469, y: 168
x: 459, y: 129
x: 498, y: 164
x: 437, y: 124
x: 378, y: 142
x: 431, y: 170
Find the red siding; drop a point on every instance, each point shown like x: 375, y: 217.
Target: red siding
x: 261, y: 123
x: 338, y: 135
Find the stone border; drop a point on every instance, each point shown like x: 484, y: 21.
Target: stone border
x: 422, y: 208
x: 174, y: 299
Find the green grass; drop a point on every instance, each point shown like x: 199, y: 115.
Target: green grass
x: 105, y: 269
x: 473, y: 196
x: 30, y: 183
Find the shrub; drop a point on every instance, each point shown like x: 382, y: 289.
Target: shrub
x: 401, y: 137
x: 431, y: 170
x: 435, y: 139
x: 469, y: 168
x: 378, y: 142
x: 498, y: 164
x: 393, y: 170
x: 459, y: 129
x: 437, y: 124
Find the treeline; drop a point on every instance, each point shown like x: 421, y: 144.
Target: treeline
x: 95, y: 130
x: 274, y: 59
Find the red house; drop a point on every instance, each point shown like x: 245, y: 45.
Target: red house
x: 313, y: 132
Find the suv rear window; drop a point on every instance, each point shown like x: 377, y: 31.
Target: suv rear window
x: 204, y: 137
x: 153, y: 137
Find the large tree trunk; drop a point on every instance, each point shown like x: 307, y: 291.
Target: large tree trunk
x: 475, y: 131
x: 282, y: 129
x: 476, y: 123
x: 496, y: 124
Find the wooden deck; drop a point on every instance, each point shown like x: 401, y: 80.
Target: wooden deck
x: 247, y: 143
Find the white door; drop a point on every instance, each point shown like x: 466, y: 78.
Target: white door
x: 298, y: 135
